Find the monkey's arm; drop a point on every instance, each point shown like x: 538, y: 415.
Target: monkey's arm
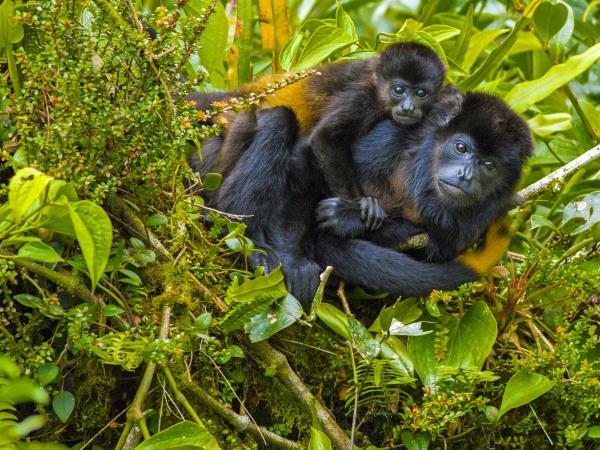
x: 349, y: 116
x: 342, y: 218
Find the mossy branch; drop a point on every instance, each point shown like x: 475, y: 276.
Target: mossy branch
x: 239, y: 422
x: 135, y: 412
x: 289, y: 378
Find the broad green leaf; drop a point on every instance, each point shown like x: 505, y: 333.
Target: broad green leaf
x: 27, y: 192
x: 322, y: 42
x: 290, y: 51
x: 18, y: 240
x: 212, y: 181
x: 335, y: 319
x: 362, y: 339
x: 23, y: 390
x: 280, y: 315
x: 214, y: 38
x: 586, y: 210
x: 59, y: 188
x: 57, y: 218
x: 594, y: 432
x: 522, y: 388
x: 563, y: 37
x: 202, y: 322
x: 47, y: 373
x: 31, y: 301
x: 470, y: 340
x: 496, y: 57
x: 155, y: 220
x: 549, y: 18
x: 527, y: 41
x: 11, y: 32
x: 547, y: 124
x: 526, y: 94
x: 425, y: 38
x: 182, y: 435
x: 441, y: 32
x: 478, y: 43
x: 415, y: 440
x: 63, y: 405
x: 271, y: 285
x: 398, y: 356
x: 40, y: 252
x: 345, y: 22
x: 318, y: 440
x: 94, y: 234
x: 538, y: 221
x: 112, y: 310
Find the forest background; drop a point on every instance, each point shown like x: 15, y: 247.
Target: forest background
x: 125, y: 322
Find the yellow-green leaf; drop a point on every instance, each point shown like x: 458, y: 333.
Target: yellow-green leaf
x: 11, y: 32
x: 528, y: 93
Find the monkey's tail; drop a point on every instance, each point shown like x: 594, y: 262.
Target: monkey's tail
x: 382, y: 269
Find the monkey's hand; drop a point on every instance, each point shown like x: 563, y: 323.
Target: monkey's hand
x: 448, y: 105
x: 341, y: 217
x: 371, y: 213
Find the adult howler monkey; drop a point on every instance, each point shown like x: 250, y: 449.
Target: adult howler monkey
x: 452, y: 181
x: 345, y: 102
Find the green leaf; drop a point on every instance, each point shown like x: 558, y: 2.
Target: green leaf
x: 156, y: 219
x: 202, y: 322
x: 415, y: 441
x: 23, y: 390
x: 182, y: 435
x: 549, y: 18
x: 586, y: 210
x: 522, y: 388
x: 462, y: 43
x: 547, y: 124
x: 362, y: 339
x: 57, y: 218
x: 94, y: 234
x: 280, y: 315
x: 478, y: 43
x: 8, y: 367
x: 428, y: 11
x: 213, y: 39
x: 318, y: 440
x: 271, y: 285
x: 27, y: 191
x: 470, y: 340
x: 241, y: 313
x: 335, y: 319
x: 212, y: 181
x: 40, y: 252
x: 290, y: 51
x: 594, y: 432
x: 28, y: 300
x: 59, y: 188
x: 63, y: 405
x: 526, y: 94
x: 112, y: 310
x: 47, y: 373
x: 538, y: 221
x: 11, y: 32
x: 322, y: 42
x: 345, y: 22
x: 496, y: 57
x: 398, y: 356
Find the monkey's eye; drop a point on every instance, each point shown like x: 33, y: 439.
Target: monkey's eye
x: 489, y: 165
x: 398, y: 90
x: 460, y: 147
x: 421, y: 93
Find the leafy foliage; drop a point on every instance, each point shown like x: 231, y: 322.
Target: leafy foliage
x: 101, y: 233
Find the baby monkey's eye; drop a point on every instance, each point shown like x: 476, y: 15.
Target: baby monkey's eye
x: 421, y: 93
x: 489, y: 165
x: 460, y: 147
x: 398, y: 90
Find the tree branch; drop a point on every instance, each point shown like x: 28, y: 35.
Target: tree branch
x: 239, y: 422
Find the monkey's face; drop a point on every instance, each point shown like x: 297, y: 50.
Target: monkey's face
x: 408, y: 103
x: 463, y: 175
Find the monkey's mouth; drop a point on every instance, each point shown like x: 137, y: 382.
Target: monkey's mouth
x: 453, y: 190
x: 405, y: 119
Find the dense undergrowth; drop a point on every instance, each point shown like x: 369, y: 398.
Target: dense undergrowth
x: 123, y: 313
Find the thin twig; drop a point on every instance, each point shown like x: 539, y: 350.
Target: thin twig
x: 342, y: 295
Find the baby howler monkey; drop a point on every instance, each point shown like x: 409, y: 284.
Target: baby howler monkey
x: 345, y: 101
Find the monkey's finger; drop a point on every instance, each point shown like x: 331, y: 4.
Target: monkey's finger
x: 380, y: 217
x: 371, y: 214
x: 364, y: 209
